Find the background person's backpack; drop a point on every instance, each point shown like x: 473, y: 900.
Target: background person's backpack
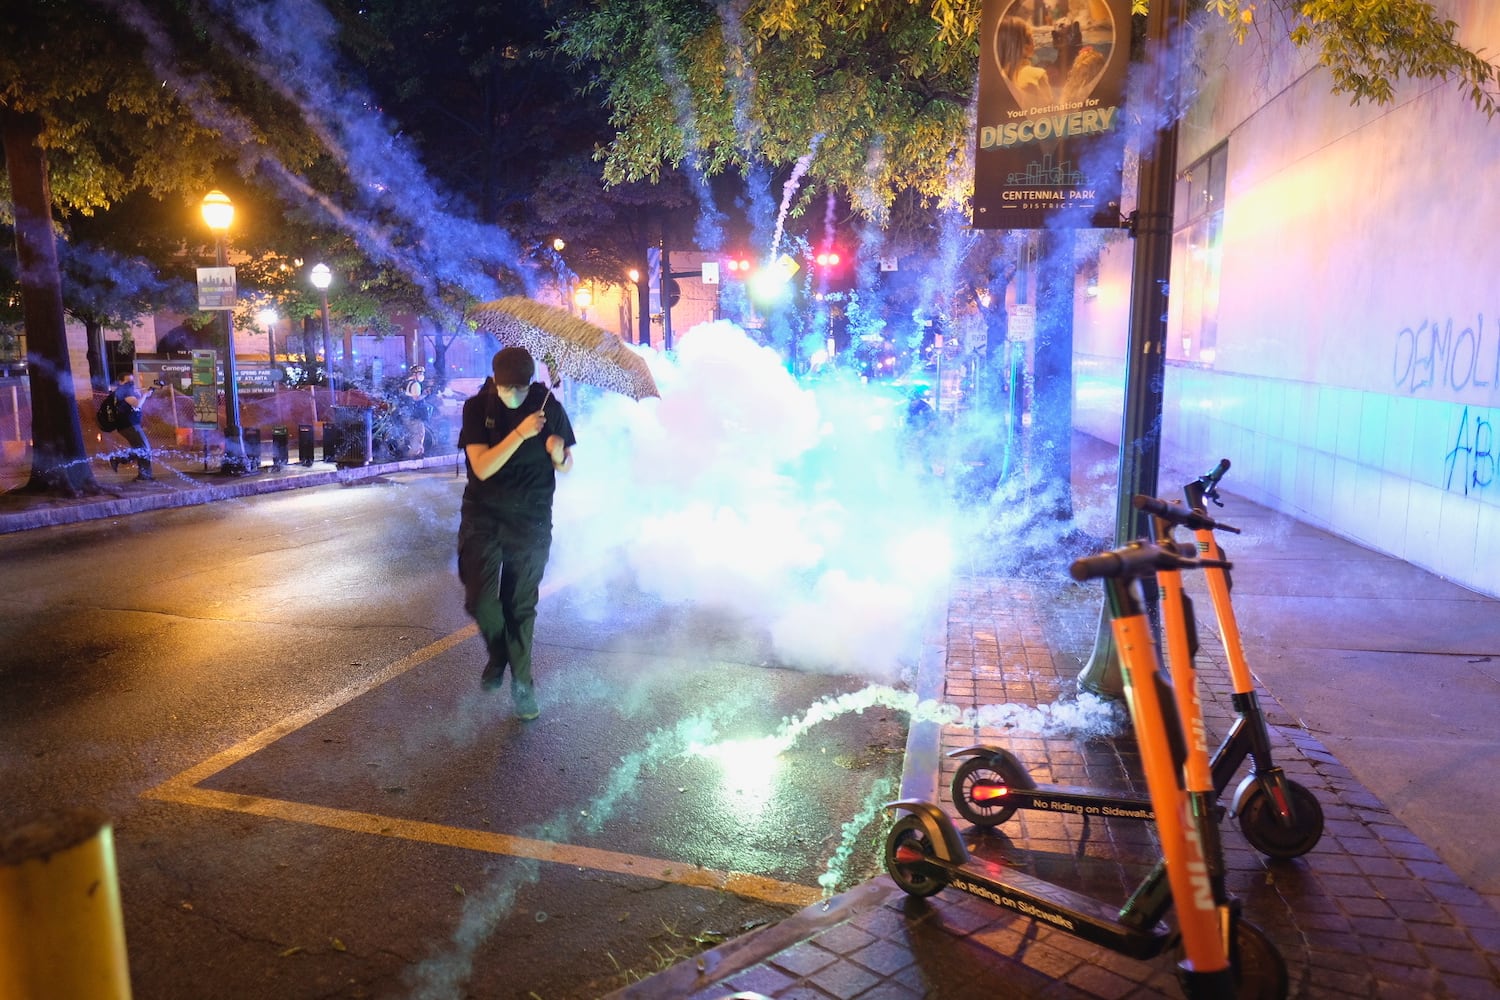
x: 108, y: 414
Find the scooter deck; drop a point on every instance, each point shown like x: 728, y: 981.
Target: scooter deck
x: 1079, y: 915
x: 1076, y: 800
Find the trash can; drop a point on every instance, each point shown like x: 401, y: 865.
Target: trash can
x: 330, y: 441
x: 355, y: 425
x: 280, y: 446
x: 251, y: 436
x: 305, y: 445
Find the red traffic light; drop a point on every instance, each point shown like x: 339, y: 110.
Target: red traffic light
x: 828, y: 258
x: 738, y: 265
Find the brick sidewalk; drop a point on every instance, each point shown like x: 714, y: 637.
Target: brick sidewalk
x: 1369, y: 912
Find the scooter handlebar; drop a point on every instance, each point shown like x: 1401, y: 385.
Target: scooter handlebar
x: 1206, y: 487
x: 1175, y: 513
x: 1139, y: 560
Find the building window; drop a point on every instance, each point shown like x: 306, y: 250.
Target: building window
x: 1197, y: 251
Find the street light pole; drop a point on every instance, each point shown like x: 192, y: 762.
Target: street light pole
x: 322, y: 277
x: 269, y: 317
x: 218, y: 213
x: 1145, y: 353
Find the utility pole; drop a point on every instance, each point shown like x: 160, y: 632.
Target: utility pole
x: 1145, y: 353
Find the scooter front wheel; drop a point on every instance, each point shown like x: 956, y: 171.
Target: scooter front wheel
x: 1258, y: 968
x: 906, y: 845
x: 1263, y: 828
x: 979, y: 790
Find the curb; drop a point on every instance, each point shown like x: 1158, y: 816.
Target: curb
x: 52, y: 511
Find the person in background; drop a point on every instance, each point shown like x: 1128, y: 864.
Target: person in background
x: 131, y: 400
x: 415, y: 410
x: 515, y: 437
x: 1015, y: 47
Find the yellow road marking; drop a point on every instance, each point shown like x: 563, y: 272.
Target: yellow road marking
x: 740, y: 883
x: 183, y: 789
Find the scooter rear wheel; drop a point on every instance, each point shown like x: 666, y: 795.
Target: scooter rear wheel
x: 975, y: 774
x: 1264, y: 830
x: 909, y: 834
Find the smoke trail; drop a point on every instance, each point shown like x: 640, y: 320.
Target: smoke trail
x: 442, y: 976
x: 789, y: 189
x: 709, y: 228
x: 1087, y: 715
x: 834, y: 875
x: 293, y: 53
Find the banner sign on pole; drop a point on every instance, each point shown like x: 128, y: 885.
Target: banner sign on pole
x: 205, y: 388
x: 216, y: 289
x: 1050, y: 146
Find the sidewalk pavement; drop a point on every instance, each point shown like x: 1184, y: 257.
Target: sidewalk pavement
x: 182, y: 480
x: 1381, y: 683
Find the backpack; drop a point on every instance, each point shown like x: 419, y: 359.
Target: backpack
x: 108, y: 414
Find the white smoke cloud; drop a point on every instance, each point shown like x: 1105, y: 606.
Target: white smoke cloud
x: 796, y: 508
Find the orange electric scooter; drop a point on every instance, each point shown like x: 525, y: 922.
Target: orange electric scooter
x: 1279, y: 817
x: 1224, y: 956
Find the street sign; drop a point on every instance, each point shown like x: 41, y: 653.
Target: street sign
x: 216, y: 289
x: 1021, y: 322
x: 710, y: 272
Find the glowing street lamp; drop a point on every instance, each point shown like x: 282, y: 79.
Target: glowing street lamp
x: 583, y: 297
x: 322, y: 277
x: 218, y: 214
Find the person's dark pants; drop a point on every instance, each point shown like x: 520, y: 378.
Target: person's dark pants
x: 140, y: 448
x: 501, y: 558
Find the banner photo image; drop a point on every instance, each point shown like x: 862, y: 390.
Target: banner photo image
x: 1049, y: 147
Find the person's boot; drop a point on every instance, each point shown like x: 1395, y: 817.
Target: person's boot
x: 493, y: 677
x: 525, y: 699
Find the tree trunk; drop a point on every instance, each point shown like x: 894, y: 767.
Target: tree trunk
x: 439, y: 359
x: 1052, y: 418
x: 98, y: 355
x: 59, y: 462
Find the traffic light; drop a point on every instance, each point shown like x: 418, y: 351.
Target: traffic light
x: 832, y: 269
x: 738, y: 266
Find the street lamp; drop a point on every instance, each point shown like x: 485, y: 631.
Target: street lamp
x: 218, y: 214
x: 631, y: 333
x: 583, y: 297
x: 321, y: 279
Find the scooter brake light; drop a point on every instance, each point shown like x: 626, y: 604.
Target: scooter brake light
x: 908, y: 855
x: 986, y: 792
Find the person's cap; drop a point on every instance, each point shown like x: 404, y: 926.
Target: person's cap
x: 513, y: 366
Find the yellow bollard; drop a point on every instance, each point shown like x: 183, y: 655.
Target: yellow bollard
x: 60, y: 919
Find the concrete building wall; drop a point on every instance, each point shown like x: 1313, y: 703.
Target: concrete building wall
x: 1354, y: 377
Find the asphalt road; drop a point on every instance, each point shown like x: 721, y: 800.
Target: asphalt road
x: 277, y: 701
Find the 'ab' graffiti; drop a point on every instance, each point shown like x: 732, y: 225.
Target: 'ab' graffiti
x: 1473, y: 456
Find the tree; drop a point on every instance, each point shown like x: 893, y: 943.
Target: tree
x: 498, y: 117
x: 78, y: 134
x: 871, y: 100
x: 1368, y: 47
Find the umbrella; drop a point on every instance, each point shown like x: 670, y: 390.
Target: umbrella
x: 567, y: 345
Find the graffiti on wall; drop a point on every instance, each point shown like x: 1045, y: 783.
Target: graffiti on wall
x: 1470, y: 463
x: 1439, y: 356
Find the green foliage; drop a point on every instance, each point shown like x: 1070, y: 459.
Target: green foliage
x: 874, y: 93
x: 1369, y: 45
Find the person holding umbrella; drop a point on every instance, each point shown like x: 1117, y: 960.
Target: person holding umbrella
x: 515, y: 437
